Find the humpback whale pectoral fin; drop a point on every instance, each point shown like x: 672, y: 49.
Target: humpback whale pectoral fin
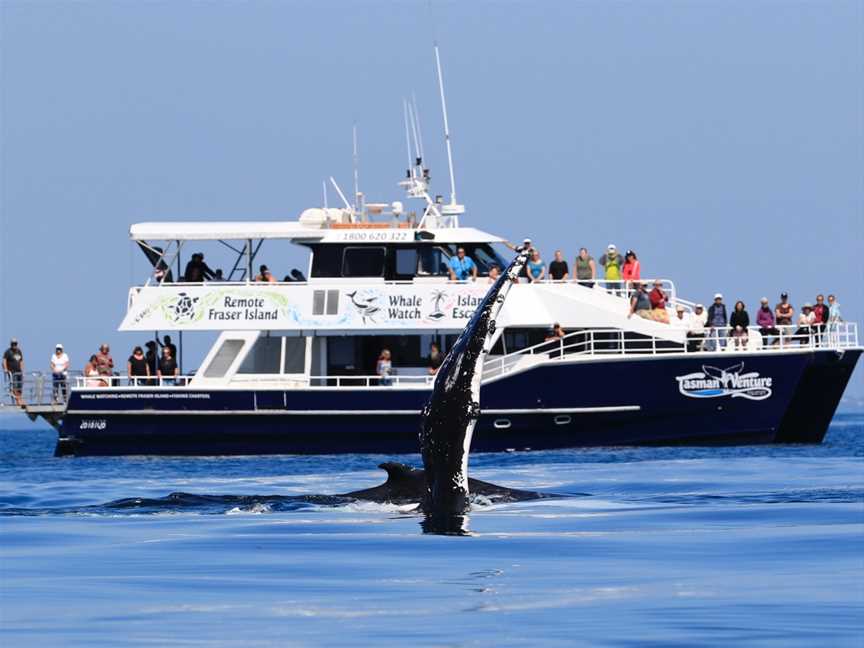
x: 492, y: 326
x: 473, y: 410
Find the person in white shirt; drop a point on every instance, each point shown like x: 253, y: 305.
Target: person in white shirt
x: 59, y: 373
x: 696, y: 329
x: 806, y: 320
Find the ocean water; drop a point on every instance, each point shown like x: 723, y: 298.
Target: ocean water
x: 756, y: 546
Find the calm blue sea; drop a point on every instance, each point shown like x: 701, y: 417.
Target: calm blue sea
x: 670, y: 547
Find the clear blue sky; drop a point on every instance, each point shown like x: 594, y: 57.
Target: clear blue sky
x: 723, y: 141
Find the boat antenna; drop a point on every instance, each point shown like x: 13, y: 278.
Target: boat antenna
x: 341, y: 195
x: 356, y: 171
x: 446, y: 127
x: 417, y: 155
x: 417, y: 118
x: 408, y: 139
x: 324, y: 188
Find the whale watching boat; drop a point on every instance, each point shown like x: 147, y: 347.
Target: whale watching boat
x: 293, y: 369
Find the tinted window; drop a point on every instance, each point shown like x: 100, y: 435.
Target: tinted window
x: 363, y: 262
x: 264, y: 358
x: 485, y: 258
x: 295, y: 355
x: 223, y: 358
x: 432, y: 262
x: 326, y: 261
x: 406, y: 262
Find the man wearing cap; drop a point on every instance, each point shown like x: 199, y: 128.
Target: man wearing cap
x: 59, y: 373
x: 717, y: 320
x: 612, y: 263
x: 13, y: 368
x: 765, y: 322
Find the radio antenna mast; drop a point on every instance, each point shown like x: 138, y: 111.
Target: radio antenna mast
x: 356, y: 171
x: 408, y: 138
x: 446, y: 127
x: 417, y: 118
x: 324, y: 187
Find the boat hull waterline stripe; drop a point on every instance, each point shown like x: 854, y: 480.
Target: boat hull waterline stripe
x: 491, y: 412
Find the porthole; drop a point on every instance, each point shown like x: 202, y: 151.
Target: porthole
x: 502, y: 424
x: 562, y: 419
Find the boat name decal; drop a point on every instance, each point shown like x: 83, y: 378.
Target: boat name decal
x: 713, y: 382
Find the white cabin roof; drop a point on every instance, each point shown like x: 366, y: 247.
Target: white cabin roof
x: 241, y: 231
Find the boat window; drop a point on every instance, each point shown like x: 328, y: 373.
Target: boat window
x: 363, y: 262
x: 264, y: 358
x: 295, y: 355
x: 432, y: 262
x: 327, y: 261
x: 223, y: 359
x: 485, y: 259
x: 406, y: 263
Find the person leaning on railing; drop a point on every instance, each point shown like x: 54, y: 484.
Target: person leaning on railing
x: 640, y: 303
x: 765, y: 322
x: 137, y: 367
x: 696, y: 329
x: 461, y: 267
x: 13, y: 368
x: 168, y: 370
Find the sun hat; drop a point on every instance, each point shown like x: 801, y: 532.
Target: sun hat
x: 718, y: 295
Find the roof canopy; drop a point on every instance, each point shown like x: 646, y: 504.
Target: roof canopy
x: 241, y: 231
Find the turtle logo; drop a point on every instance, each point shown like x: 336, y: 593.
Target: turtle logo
x: 183, y: 309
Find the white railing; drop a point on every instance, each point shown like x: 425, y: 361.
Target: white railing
x: 35, y: 388
x: 393, y: 380
x: 605, y: 342
x: 95, y: 382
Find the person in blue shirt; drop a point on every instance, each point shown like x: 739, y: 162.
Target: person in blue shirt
x: 536, y: 267
x: 462, y: 266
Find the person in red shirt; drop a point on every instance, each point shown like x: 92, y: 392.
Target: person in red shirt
x: 658, y: 302
x: 820, y: 312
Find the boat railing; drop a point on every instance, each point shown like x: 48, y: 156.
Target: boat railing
x: 393, y: 380
x: 95, y: 382
x: 606, y: 342
x: 36, y: 388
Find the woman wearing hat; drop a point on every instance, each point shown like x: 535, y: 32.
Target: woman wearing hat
x: 806, y: 320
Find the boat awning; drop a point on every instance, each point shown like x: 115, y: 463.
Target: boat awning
x: 221, y: 230
x: 361, y: 233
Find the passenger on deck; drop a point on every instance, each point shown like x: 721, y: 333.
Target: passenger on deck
x: 168, y: 369
x: 632, y: 270
x: 494, y: 273
x: 13, y: 368
x: 586, y: 269
x: 151, y: 356
x: 104, y: 361
x: 168, y: 344
x: 739, y: 316
x: 555, y: 333
x: 821, y: 313
x: 783, y: 312
x: 91, y: 373
x: 611, y: 262
x: 558, y: 270
x: 461, y: 267
x: 680, y: 319
x: 536, y: 267
x: 806, y: 320
x: 640, y: 303
x: 834, y: 314
x: 264, y: 275
x: 384, y: 368
x: 435, y: 359
x: 59, y: 373
x: 658, y: 302
x: 196, y: 270
x: 137, y: 368
x: 218, y: 276
x: 765, y: 321
x: 696, y: 329
x: 717, y: 320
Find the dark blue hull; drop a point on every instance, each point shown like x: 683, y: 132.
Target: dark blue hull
x: 650, y: 400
